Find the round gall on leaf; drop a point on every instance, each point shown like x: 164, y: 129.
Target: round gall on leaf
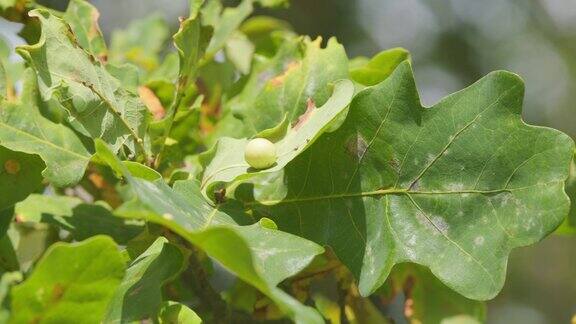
x: 260, y: 153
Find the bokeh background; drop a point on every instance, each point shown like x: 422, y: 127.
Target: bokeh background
x: 453, y: 43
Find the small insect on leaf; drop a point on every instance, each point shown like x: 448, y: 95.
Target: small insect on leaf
x: 220, y: 195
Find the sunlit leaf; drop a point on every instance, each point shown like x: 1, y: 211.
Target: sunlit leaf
x: 80, y: 219
x: 140, y: 43
x: 97, y: 104
x: 70, y: 282
x: 10, y: 71
x: 139, y: 295
x: 240, y: 50
x: 20, y: 175
x: 569, y: 225
x: 24, y: 129
x: 7, y: 280
x: 83, y: 19
x: 260, y: 256
x: 378, y: 68
x: 283, y: 86
x: 191, y: 42
x: 176, y: 313
x: 226, y: 25
x: 226, y: 163
x: 454, y: 187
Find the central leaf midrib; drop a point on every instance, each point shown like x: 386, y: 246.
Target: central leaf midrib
x: 38, y: 139
x: 383, y: 192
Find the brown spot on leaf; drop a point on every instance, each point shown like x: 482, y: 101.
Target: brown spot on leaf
x: 12, y: 167
x: 103, y: 57
x: 394, y: 164
x: 94, y: 30
x: 57, y: 292
x: 152, y: 102
x: 356, y: 146
x: 220, y: 195
x: 279, y: 80
x: 310, y: 106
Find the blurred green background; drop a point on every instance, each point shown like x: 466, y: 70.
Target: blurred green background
x: 453, y: 43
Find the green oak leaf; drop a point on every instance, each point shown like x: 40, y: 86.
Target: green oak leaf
x: 263, y: 70
x: 191, y: 42
x: 260, y: 256
x: 10, y: 71
x: 454, y: 187
x: 83, y: 19
x: 5, y: 4
x: 71, y: 282
x: 140, y: 43
x: 283, y: 85
x: 24, y: 129
x: 73, y: 215
x: 226, y: 24
x: 176, y: 313
x: 571, y: 190
x: 240, y: 50
x: 167, y: 71
x: 126, y: 73
x: 7, y: 280
x: 226, y: 161
x: 97, y: 103
x: 274, y: 3
x: 569, y: 224
x: 4, y: 83
x: 6, y: 216
x: 8, y: 257
x: 139, y: 296
x: 20, y: 175
x: 266, y: 33
x: 378, y: 68
x: 430, y: 300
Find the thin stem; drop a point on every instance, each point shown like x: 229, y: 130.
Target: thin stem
x: 216, y: 305
x: 170, y: 121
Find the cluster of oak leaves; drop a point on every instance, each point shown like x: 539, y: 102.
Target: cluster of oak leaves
x: 125, y: 194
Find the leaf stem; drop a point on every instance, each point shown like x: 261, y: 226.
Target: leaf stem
x: 217, y: 306
x: 170, y: 121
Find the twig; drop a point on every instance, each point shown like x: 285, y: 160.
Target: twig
x: 217, y: 306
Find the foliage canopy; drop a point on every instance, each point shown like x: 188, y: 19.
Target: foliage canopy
x: 125, y: 194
